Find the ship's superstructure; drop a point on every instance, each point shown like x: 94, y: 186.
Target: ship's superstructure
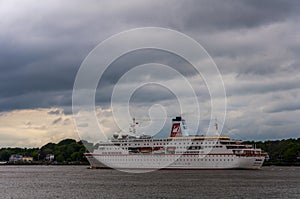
x: 179, y: 151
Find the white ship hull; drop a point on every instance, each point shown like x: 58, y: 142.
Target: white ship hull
x: 152, y: 162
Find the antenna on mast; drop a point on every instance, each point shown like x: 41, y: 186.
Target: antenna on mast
x: 216, y: 125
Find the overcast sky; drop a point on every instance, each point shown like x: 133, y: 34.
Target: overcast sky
x: 255, y: 44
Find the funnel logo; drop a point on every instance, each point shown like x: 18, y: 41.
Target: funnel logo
x: 176, y: 128
x: 176, y: 131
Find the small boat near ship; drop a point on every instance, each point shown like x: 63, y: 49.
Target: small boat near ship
x: 3, y: 162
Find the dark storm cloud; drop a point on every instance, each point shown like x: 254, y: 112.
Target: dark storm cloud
x: 284, y: 108
x: 37, y: 100
x: 33, y: 69
x: 136, y: 58
x: 255, y: 43
x: 139, y: 57
x: 151, y: 93
x: 235, y: 14
x: 263, y: 86
x: 44, y: 54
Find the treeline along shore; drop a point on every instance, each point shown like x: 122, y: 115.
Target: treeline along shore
x: 281, y: 153
x: 67, y: 151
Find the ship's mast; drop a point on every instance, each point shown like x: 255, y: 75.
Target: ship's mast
x: 216, y: 125
x: 132, y: 128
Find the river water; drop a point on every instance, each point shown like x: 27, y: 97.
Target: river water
x: 79, y: 182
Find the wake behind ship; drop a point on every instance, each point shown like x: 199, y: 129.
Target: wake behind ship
x: 179, y: 151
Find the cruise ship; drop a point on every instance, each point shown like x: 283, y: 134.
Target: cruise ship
x: 178, y: 151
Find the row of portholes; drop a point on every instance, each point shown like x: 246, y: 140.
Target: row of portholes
x: 169, y: 160
x: 173, y: 143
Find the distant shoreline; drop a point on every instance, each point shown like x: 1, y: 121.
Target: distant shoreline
x: 44, y: 163
x: 284, y: 152
x: 87, y: 164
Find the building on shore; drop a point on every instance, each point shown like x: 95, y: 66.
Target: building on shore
x: 49, y: 157
x: 27, y: 159
x: 17, y: 158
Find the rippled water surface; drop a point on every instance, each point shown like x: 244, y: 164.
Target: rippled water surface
x: 79, y: 182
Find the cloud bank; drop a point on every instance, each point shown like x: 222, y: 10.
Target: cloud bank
x: 255, y: 44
